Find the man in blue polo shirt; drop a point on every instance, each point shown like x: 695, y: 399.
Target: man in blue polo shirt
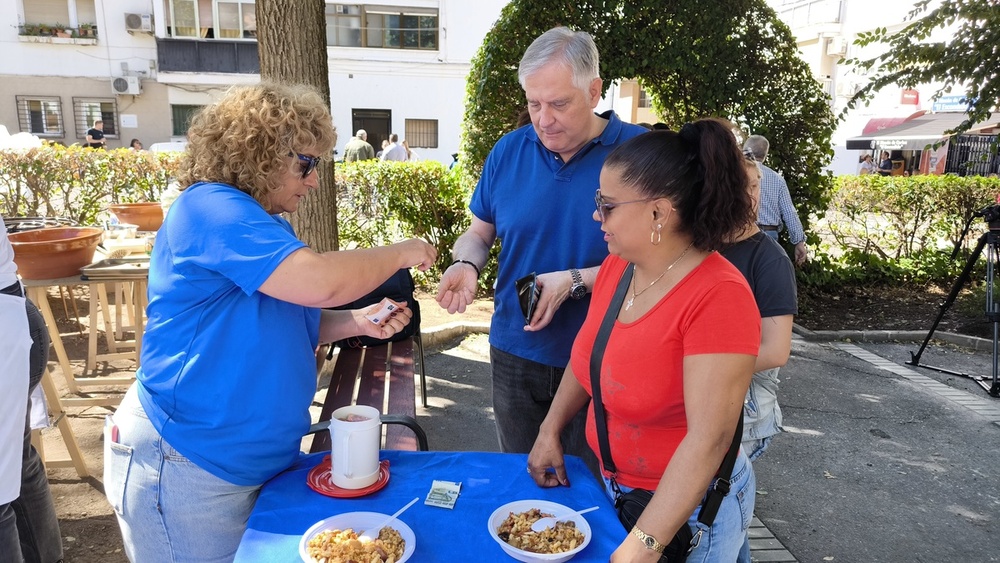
x: 536, y: 194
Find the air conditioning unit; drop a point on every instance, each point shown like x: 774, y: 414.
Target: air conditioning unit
x: 126, y: 85
x: 139, y: 22
x: 836, y: 46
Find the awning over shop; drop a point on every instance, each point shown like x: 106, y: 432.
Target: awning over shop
x: 912, y: 134
x: 877, y: 124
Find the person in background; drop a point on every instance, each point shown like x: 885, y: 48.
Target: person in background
x: 95, y: 136
x: 358, y: 148
x: 385, y: 145
x: 867, y: 165
x: 135, y: 145
x: 885, y: 164
x: 536, y: 195
x: 411, y: 155
x: 680, y: 355
x: 395, y: 150
x: 236, y: 311
x: 775, y: 209
x: 15, y: 338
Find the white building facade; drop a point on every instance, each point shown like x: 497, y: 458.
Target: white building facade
x: 145, y: 67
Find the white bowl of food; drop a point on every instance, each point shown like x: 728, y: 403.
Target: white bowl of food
x: 510, y: 526
x: 337, y: 536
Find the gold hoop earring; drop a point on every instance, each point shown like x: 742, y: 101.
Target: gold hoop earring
x: 659, y: 237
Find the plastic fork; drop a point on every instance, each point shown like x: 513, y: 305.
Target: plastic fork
x: 372, y: 533
x: 550, y: 521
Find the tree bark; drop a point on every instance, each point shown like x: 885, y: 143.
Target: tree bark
x: 291, y: 39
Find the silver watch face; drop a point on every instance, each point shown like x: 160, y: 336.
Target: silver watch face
x: 578, y: 291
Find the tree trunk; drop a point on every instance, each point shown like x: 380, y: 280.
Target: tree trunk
x: 291, y: 39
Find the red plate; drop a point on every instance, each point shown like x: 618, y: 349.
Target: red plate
x: 319, y: 480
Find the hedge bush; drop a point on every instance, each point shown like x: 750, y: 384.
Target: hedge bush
x: 79, y: 182
x: 898, y: 229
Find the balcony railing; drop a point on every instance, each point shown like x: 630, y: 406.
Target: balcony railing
x: 210, y: 55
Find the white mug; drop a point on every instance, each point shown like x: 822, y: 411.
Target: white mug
x: 355, y: 437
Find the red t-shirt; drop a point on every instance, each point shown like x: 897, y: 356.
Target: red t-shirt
x: 710, y: 311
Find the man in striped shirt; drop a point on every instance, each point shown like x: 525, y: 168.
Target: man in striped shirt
x: 776, y: 210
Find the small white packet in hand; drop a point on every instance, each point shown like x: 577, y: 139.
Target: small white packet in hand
x: 380, y: 315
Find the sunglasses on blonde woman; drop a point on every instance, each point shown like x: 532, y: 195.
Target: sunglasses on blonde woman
x: 309, y: 163
x: 604, y: 208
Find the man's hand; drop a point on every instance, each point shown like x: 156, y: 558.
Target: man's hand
x: 801, y: 253
x: 554, y: 288
x: 457, y: 289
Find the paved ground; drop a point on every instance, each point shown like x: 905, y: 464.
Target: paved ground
x: 881, y: 462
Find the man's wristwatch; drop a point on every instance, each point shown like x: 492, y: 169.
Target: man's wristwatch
x: 578, y: 290
x: 647, y: 540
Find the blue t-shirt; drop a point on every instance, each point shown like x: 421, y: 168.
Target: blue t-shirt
x: 227, y: 373
x: 543, y: 212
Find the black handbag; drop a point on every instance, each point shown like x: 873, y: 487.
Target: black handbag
x: 399, y: 287
x: 631, y: 504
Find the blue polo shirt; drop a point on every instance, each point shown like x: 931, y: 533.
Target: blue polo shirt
x: 543, y: 209
x: 228, y: 372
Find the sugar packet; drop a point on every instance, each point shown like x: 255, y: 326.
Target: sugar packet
x: 443, y: 494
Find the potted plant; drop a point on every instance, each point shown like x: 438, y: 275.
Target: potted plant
x: 87, y: 30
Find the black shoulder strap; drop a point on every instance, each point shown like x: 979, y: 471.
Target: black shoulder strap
x: 710, y: 507
x: 597, y: 359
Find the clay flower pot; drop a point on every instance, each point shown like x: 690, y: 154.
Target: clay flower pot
x: 55, y: 252
x: 148, y: 216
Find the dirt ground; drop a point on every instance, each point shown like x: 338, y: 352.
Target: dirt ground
x: 90, y: 532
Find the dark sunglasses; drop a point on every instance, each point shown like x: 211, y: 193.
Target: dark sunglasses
x: 604, y: 208
x: 748, y: 154
x: 309, y: 163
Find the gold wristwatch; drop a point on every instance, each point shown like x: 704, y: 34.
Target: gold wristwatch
x: 647, y: 540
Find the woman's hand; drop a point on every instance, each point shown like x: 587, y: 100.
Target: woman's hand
x: 392, y: 325
x: 416, y: 252
x: 547, y: 453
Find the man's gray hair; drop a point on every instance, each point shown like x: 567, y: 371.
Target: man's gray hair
x: 758, y: 145
x: 361, y: 134
x: 575, y: 49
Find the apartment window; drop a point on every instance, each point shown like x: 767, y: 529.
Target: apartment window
x: 237, y: 18
x: 422, y: 133
x: 181, y: 117
x: 343, y: 25
x: 385, y: 27
x: 41, y: 116
x: 645, y: 101
x: 88, y: 110
x: 184, y: 17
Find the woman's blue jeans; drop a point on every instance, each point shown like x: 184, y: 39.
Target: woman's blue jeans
x: 169, y: 509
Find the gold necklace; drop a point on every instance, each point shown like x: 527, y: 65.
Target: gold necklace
x: 635, y: 294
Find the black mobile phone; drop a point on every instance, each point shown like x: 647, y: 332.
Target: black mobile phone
x: 527, y: 295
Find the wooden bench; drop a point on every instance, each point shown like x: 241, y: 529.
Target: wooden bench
x: 381, y: 377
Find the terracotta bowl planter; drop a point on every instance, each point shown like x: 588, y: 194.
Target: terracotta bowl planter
x: 148, y: 216
x: 56, y: 252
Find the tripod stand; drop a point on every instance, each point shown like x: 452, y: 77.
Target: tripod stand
x: 990, y: 241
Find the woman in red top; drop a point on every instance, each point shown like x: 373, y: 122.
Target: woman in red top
x: 681, y: 354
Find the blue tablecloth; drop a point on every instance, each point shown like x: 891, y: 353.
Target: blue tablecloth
x: 287, y: 507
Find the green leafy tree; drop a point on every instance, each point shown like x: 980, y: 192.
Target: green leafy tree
x: 968, y: 60
x: 730, y: 58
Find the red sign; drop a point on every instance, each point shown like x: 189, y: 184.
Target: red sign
x: 910, y: 97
